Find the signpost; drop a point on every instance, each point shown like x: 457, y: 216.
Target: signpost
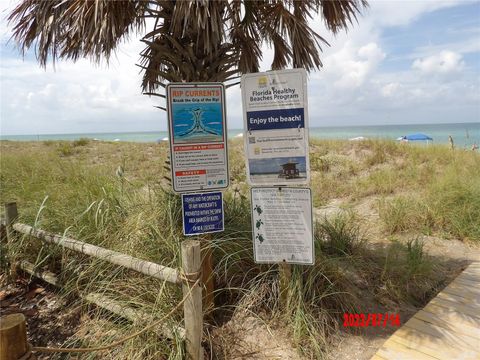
x: 198, y: 136
x: 275, y: 113
x: 199, y: 161
x: 282, y: 225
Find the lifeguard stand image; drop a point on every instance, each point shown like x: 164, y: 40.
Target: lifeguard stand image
x: 289, y: 171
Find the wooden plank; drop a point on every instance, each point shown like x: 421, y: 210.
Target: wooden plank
x: 377, y: 357
x: 472, y: 274
x: 416, y: 336
x: 418, y: 333
x: 392, y: 350
x: 468, y: 276
x: 448, y: 335
x: 436, y: 349
x: 463, y: 292
x: 452, y: 315
x: 46, y: 276
x: 471, y: 302
x: 136, y: 316
x: 472, y: 271
x: 459, y: 327
x: 461, y: 287
x: 456, y: 305
x: 466, y: 282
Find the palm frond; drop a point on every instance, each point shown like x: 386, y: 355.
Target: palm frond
x: 75, y: 28
x: 191, y: 40
x: 340, y: 14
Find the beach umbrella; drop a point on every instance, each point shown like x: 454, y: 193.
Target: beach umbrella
x: 417, y: 137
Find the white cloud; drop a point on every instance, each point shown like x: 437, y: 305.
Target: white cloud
x: 400, y: 13
x: 445, y: 62
x: 351, y: 66
x: 390, y: 89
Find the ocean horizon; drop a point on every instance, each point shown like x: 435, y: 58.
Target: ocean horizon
x: 463, y: 134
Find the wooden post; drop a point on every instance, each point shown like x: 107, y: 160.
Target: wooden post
x: 208, y: 278
x: 192, y: 308
x: 11, y: 215
x: 13, y: 337
x: 3, y: 231
x: 284, y: 276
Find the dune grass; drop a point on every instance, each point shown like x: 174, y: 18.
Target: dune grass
x: 80, y: 193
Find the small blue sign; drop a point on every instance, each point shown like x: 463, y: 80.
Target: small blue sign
x: 202, y: 213
x: 276, y: 119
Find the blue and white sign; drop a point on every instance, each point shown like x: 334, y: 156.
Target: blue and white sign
x: 202, y: 213
x: 275, y: 111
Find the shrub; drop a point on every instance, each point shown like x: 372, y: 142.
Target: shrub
x: 65, y: 149
x: 81, y: 142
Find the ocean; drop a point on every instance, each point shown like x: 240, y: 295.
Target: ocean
x: 463, y: 134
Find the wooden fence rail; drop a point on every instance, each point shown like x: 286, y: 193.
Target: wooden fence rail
x: 191, y: 272
x: 145, y: 267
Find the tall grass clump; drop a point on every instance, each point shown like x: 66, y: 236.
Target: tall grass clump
x: 448, y: 206
x: 408, y: 275
x: 405, y: 213
x: 340, y: 235
x: 455, y: 201
x: 81, y: 142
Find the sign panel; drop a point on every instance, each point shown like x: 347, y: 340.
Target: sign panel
x: 198, y: 136
x: 282, y: 225
x: 202, y: 213
x: 275, y: 111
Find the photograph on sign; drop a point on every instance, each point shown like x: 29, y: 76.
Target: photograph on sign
x: 282, y: 225
x: 275, y: 111
x: 198, y: 136
x: 202, y: 213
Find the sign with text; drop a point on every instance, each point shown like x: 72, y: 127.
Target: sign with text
x: 282, y: 225
x: 275, y: 111
x: 198, y: 136
x: 202, y: 213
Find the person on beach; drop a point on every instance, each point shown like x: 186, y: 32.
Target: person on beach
x: 474, y: 147
x: 450, y: 141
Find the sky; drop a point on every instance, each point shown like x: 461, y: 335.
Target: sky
x: 404, y: 62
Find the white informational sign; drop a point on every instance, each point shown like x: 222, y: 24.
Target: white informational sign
x: 198, y: 136
x: 275, y: 111
x: 282, y: 225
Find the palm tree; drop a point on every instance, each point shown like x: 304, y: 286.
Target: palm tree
x: 190, y: 40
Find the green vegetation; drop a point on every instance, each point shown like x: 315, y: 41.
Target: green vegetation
x: 340, y: 236
x: 415, y: 190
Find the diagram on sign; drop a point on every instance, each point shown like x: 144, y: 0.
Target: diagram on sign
x: 276, y: 127
x: 282, y: 225
x: 197, y: 123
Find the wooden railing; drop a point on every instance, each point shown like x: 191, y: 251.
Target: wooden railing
x: 189, y: 276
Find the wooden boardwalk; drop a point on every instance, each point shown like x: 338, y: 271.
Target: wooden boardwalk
x: 447, y: 328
